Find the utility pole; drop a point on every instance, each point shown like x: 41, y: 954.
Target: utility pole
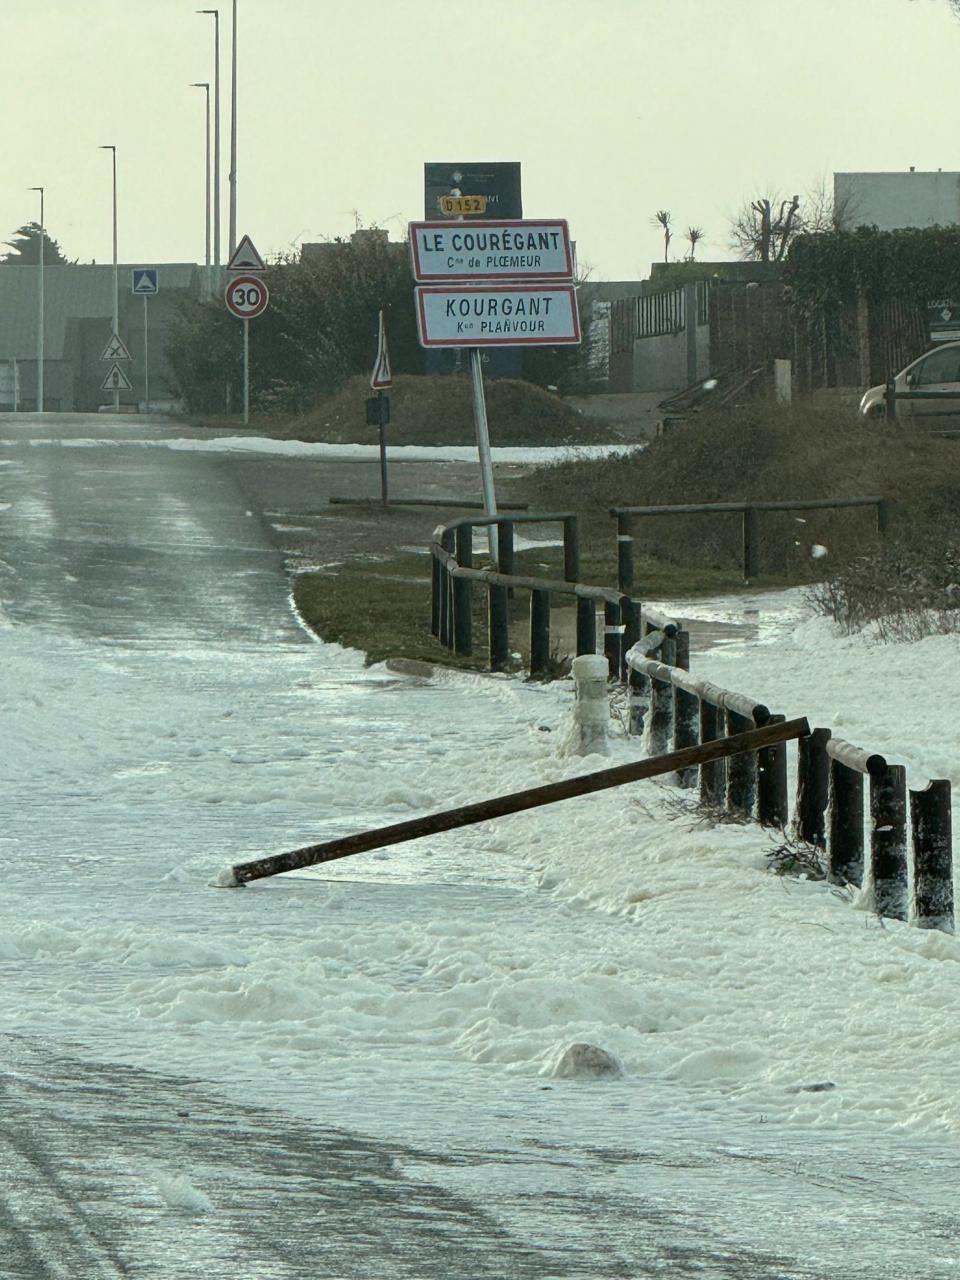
x: 116, y: 277
x: 233, y: 135
x: 40, y: 334
x: 216, y: 132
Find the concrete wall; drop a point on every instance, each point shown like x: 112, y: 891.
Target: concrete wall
x: 893, y: 200
x: 660, y: 364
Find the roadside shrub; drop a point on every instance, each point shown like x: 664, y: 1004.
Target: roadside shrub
x: 761, y: 451
x: 906, y: 589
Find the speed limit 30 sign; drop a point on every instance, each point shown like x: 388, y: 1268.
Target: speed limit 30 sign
x: 246, y: 297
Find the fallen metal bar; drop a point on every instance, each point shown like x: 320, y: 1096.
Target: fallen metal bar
x: 464, y: 504
x: 516, y: 802
x: 705, y: 508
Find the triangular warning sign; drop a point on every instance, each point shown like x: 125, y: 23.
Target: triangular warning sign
x: 116, y: 380
x: 115, y: 350
x: 246, y: 258
x: 381, y: 378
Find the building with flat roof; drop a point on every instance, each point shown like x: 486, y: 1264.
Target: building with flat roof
x: 894, y: 200
x: 78, y: 320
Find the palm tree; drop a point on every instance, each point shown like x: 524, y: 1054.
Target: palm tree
x: 662, y: 219
x: 694, y: 235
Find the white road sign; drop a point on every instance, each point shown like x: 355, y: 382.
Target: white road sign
x: 536, y: 249
x: 246, y: 297
x: 245, y: 257
x: 381, y: 378
x: 116, y: 380
x: 115, y: 349
x: 499, y: 315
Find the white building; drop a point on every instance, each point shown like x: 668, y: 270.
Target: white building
x: 893, y: 200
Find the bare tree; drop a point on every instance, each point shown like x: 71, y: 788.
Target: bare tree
x: 758, y: 232
x: 662, y: 219
x: 694, y: 235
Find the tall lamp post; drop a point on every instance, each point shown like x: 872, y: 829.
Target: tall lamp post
x: 116, y: 276
x: 203, y: 84
x: 233, y: 135
x: 40, y: 310
x: 216, y: 132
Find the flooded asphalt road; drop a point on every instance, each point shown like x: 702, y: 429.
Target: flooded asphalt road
x: 118, y: 1160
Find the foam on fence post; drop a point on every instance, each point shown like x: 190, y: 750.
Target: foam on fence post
x: 591, y: 713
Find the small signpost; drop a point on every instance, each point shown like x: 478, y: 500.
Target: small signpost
x: 505, y: 283
x: 116, y: 380
x: 378, y: 406
x: 246, y: 296
x: 115, y: 350
x: 145, y: 282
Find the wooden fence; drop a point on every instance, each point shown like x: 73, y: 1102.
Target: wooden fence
x: 750, y: 513
x: 454, y: 576
x: 908, y: 832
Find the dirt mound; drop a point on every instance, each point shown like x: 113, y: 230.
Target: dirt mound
x: 439, y: 410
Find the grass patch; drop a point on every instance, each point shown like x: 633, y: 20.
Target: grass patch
x: 761, y: 451
x: 438, y: 410
x: 380, y: 607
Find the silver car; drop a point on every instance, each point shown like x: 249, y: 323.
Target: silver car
x: 938, y: 370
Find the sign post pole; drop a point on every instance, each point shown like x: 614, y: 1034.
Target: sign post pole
x: 383, y: 449
x: 482, y: 429
x: 246, y: 371
x: 146, y: 358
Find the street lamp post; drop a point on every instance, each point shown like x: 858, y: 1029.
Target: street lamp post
x: 206, y: 203
x: 40, y: 334
x: 233, y: 135
x: 116, y: 275
x: 216, y: 132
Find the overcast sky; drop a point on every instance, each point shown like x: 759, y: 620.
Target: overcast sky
x: 615, y: 108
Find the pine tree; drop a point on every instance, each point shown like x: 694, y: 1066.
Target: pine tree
x: 25, y: 249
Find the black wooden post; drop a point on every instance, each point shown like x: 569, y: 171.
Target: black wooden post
x: 571, y: 550
x: 586, y: 625
x: 683, y: 649
x: 505, y: 558
x: 686, y: 730
x: 741, y: 793
x: 772, y: 801
x: 499, y: 632
x: 630, y: 613
x: 932, y: 856
x: 624, y: 553
x: 539, y: 632
x: 813, y: 787
x: 884, y: 515
x: 435, y: 596
x: 845, y: 843
x: 713, y: 775
x: 751, y: 544
x: 668, y: 651
x: 890, y: 398
x: 446, y: 602
x: 612, y: 637
x: 463, y: 593
x: 637, y: 703
x: 661, y: 717
x: 888, y: 841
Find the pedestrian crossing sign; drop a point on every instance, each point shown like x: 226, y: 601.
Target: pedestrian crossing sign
x: 145, y: 281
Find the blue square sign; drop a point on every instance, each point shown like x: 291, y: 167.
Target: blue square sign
x: 145, y: 280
